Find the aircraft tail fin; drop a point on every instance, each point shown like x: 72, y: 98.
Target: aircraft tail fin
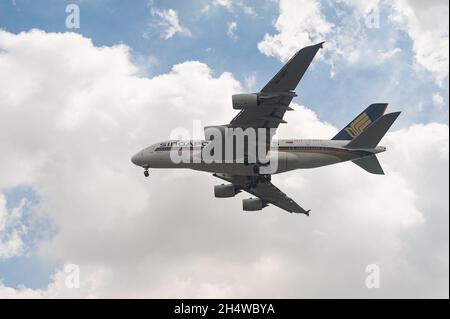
x: 361, y: 122
x: 374, y: 133
x: 370, y: 163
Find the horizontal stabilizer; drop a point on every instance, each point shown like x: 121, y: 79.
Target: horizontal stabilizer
x: 370, y: 163
x: 374, y: 133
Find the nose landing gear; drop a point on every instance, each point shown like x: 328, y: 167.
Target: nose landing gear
x: 146, y: 172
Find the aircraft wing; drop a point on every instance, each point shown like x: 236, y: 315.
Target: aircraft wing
x: 278, y: 93
x: 264, y: 190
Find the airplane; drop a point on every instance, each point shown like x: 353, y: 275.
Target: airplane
x: 357, y: 142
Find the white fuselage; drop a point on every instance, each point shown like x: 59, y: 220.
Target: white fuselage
x: 284, y: 155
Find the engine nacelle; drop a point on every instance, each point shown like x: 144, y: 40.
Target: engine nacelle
x: 224, y: 191
x: 243, y: 101
x: 252, y: 204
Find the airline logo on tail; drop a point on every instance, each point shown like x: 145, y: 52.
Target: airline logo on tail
x: 358, y: 125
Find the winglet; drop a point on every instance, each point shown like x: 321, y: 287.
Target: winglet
x: 320, y: 45
x: 304, y: 212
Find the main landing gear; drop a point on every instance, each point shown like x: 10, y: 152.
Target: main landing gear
x: 263, y: 178
x: 146, y: 172
x: 257, y: 167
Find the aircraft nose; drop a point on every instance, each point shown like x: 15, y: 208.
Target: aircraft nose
x: 136, y: 159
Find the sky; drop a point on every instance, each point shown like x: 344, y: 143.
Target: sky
x: 76, y: 103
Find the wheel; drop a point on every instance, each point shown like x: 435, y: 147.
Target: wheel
x: 146, y: 173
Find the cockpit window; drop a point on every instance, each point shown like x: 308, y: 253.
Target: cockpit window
x: 149, y: 149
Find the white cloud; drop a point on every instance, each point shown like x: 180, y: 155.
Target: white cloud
x: 247, y: 9
x: 347, y: 39
x: 231, y: 30
x: 206, y: 8
x: 363, y: 7
x: 168, y: 19
x: 427, y: 24
x: 231, y: 6
x: 386, y: 55
x: 224, y: 3
x: 296, y: 29
x: 438, y: 100
x: 12, y: 230
x: 73, y: 121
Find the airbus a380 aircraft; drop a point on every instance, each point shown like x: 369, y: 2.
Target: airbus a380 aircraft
x: 264, y: 111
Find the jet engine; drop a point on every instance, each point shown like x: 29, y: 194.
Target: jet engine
x: 224, y: 191
x: 243, y: 101
x: 252, y: 204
